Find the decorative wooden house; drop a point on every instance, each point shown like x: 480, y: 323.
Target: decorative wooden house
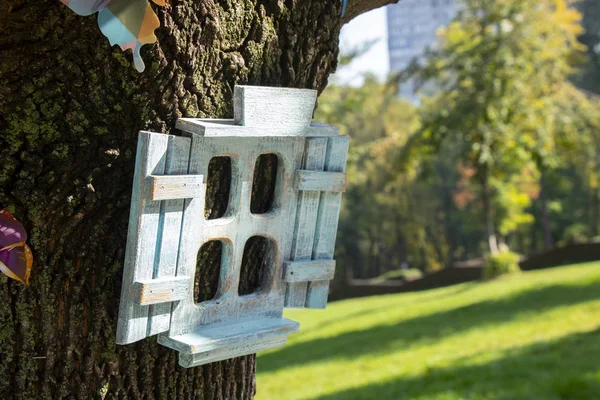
x: 168, y: 227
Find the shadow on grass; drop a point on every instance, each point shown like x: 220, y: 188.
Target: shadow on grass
x: 557, y: 370
x: 387, y: 306
x: 430, y: 328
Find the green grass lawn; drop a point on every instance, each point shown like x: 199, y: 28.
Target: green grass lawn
x: 534, y: 335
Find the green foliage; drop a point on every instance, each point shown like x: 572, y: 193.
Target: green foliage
x: 388, y: 218
x: 502, y: 70
x: 502, y: 263
x: 399, y: 274
x: 355, y: 52
x: 506, y: 151
x: 511, y: 202
x: 530, y: 336
x: 575, y: 233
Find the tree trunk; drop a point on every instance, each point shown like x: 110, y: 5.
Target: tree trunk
x: 545, y: 215
x: 487, y: 213
x: 594, y: 212
x: 70, y: 111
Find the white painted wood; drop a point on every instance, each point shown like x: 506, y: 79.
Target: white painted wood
x: 307, y: 271
x: 141, y: 237
x: 227, y: 128
x: 172, y: 187
x: 321, y: 130
x: 162, y: 290
x: 165, y: 262
x: 327, y: 221
x: 168, y: 227
x: 243, y: 348
x: 322, y: 181
x: 305, y: 223
x: 230, y: 333
x: 234, y: 229
x: 271, y: 108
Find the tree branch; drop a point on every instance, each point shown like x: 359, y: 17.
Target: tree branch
x: 358, y: 7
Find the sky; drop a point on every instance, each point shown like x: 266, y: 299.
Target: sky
x: 360, y: 30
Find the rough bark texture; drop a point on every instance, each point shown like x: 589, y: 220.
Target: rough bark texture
x: 358, y: 7
x: 70, y: 111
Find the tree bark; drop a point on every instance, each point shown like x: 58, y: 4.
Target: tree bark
x: 358, y: 7
x: 595, y: 212
x: 545, y: 214
x: 487, y: 213
x: 70, y: 111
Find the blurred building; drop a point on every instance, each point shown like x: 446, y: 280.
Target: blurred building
x: 412, y: 26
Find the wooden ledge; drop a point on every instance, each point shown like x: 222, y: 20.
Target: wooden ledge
x: 228, y: 127
x: 228, y: 340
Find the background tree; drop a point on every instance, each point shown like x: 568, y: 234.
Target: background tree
x: 70, y: 110
x: 543, y: 154
x: 502, y: 69
x: 389, y: 218
x: 589, y: 76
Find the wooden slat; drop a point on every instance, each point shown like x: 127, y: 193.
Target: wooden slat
x: 174, y: 187
x: 227, y: 128
x: 274, y: 109
x: 191, y: 240
x: 169, y: 237
x: 141, y: 238
x: 251, y: 346
x: 327, y: 221
x: 306, y: 216
x: 307, y: 271
x: 229, y: 340
x: 323, y: 181
x: 162, y: 290
x: 320, y: 129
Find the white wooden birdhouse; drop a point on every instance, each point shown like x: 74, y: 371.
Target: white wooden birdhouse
x: 168, y: 227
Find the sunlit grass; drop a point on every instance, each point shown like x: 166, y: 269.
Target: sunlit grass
x: 530, y: 336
